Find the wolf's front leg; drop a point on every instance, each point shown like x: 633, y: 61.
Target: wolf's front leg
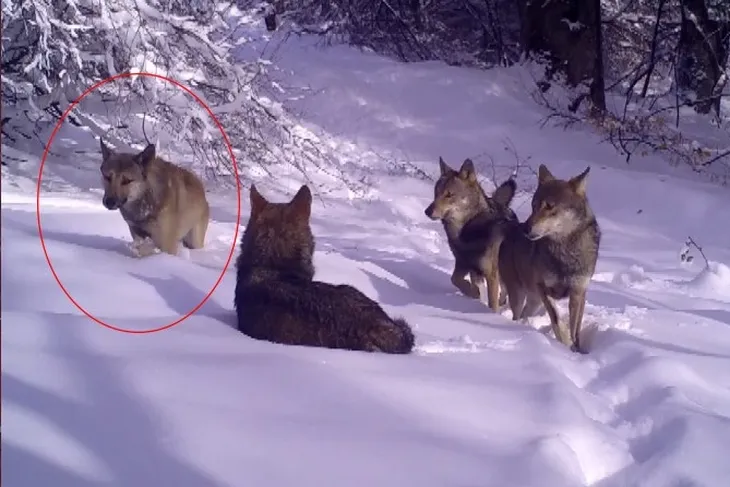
x: 560, y: 333
x: 142, y: 245
x: 491, y: 273
x: 143, y: 249
x: 576, y: 305
x: 458, y: 279
x: 166, y: 237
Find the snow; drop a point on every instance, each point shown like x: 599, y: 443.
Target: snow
x: 713, y: 280
x: 483, y: 401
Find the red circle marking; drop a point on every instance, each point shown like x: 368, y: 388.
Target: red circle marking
x: 38, y: 200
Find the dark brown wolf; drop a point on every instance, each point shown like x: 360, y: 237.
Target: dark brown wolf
x: 277, y: 298
x: 553, y: 254
x: 464, y: 208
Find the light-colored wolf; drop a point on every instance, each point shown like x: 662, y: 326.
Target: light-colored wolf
x: 158, y: 200
x: 553, y: 254
x: 463, y: 207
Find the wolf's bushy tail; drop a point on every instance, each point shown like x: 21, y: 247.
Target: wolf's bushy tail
x: 392, y: 336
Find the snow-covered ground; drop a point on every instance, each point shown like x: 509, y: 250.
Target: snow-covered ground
x: 483, y: 402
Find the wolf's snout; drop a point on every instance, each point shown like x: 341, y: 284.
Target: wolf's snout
x: 526, y: 229
x: 529, y: 232
x: 109, y: 202
x: 429, y: 211
x: 112, y: 203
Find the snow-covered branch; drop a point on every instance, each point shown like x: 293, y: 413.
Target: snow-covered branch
x: 53, y: 50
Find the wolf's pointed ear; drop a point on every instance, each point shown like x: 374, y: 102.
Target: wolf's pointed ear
x: 544, y: 175
x: 444, y: 167
x: 146, y: 156
x: 106, y: 152
x: 257, y: 201
x: 302, y: 202
x: 578, y: 183
x: 467, y: 171
x: 505, y: 192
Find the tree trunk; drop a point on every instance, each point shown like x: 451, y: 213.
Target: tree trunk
x: 598, y: 85
x: 703, y: 55
x: 569, y: 33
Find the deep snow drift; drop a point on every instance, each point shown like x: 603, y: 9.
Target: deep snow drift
x: 483, y: 401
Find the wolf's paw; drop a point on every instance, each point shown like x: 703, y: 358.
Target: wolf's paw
x: 473, y: 292
x: 143, y: 248
x: 562, y: 335
x: 468, y: 290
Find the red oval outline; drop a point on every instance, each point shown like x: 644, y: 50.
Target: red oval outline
x: 38, y: 200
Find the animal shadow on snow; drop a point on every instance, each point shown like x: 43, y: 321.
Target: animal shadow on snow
x: 611, y: 298
x: 427, y: 286
x: 99, y: 242
x: 720, y: 315
x: 607, y: 339
x: 182, y: 297
x: 390, y: 293
x: 600, y: 294
x: 114, y: 424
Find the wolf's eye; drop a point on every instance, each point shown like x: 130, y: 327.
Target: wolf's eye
x: 449, y: 195
x: 126, y: 181
x: 548, y: 206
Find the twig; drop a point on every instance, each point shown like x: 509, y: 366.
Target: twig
x: 690, y: 241
x: 144, y: 116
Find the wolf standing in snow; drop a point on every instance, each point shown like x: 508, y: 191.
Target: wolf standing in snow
x: 553, y: 254
x: 462, y: 206
x: 157, y: 199
x: 277, y: 298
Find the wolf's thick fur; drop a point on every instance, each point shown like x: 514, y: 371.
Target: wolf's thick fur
x: 276, y: 298
x: 553, y: 254
x: 462, y: 206
x: 156, y: 198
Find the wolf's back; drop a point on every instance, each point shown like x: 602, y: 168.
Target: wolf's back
x: 319, y: 314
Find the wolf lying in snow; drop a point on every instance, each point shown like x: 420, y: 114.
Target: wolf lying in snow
x: 277, y: 298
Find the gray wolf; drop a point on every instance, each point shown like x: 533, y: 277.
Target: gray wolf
x: 158, y: 200
x: 462, y: 206
x: 278, y: 300
x: 553, y: 254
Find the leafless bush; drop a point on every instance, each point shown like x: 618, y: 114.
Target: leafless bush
x: 53, y: 50
x: 645, y: 132
x: 666, y: 69
x: 471, y: 32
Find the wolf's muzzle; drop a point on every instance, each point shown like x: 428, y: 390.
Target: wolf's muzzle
x: 429, y: 211
x: 112, y: 203
x: 527, y: 231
